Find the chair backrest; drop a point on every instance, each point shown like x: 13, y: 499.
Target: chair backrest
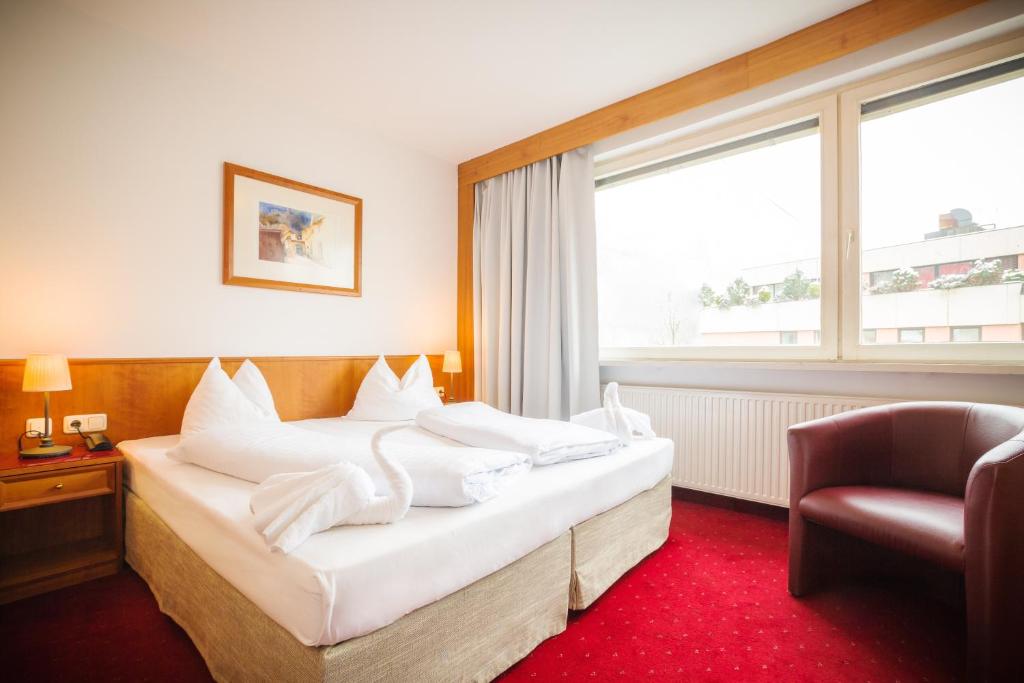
x: 936, y: 443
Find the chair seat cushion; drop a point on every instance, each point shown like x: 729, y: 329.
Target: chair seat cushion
x: 919, y: 523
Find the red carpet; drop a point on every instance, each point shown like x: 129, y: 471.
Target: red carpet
x: 711, y: 605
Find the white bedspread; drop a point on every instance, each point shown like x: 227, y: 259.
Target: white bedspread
x: 352, y: 580
x: 545, y: 441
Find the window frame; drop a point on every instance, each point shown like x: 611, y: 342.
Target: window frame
x: 826, y: 110
x: 850, y: 100
x: 838, y: 112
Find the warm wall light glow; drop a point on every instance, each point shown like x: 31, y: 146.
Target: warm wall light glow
x: 46, y: 372
x: 452, y: 362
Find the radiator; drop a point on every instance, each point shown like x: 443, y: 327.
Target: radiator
x: 733, y: 443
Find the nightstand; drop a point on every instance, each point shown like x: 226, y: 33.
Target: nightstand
x: 61, y: 521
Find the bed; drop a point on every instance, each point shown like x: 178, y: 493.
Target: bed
x: 463, y: 591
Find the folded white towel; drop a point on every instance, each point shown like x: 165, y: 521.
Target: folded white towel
x: 289, y: 508
x: 545, y: 441
x: 613, y: 417
x: 442, y: 476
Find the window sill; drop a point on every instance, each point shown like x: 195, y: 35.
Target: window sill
x: 830, y: 365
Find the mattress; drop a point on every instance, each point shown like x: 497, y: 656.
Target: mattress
x: 349, y: 581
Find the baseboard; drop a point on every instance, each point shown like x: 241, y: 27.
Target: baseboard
x: 749, y: 507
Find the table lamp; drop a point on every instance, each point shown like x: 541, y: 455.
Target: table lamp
x: 452, y: 364
x: 46, y: 373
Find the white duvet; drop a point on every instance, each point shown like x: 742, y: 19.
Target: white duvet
x: 545, y: 441
x: 442, y: 476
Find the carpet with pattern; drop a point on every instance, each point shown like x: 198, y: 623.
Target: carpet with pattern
x: 710, y: 605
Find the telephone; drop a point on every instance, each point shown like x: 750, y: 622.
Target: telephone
x: 97, y: 442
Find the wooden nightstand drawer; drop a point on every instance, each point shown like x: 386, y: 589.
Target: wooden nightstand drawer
x: 54, y: 487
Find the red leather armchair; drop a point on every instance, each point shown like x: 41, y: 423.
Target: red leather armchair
x: 938, y: 481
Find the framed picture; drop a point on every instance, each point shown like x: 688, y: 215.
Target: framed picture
x: 283, y: 234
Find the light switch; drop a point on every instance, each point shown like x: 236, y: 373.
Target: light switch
x: 35, y: 424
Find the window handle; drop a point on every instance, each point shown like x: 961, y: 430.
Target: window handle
x: 849, y: 243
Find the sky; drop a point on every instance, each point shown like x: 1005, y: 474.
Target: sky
x: 964, y: 151
x: 660, y: 238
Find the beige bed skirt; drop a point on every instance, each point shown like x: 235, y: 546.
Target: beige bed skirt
x: 471, y: 635
x: 607, y: 546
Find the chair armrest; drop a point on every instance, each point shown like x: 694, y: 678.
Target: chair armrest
x: 994, y: 500
x: 994, y: 562
x: 842, y: 450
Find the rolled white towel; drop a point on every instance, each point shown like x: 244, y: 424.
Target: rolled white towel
x: 546, y: 442
x: 289, y: 508
x: 615, y: 418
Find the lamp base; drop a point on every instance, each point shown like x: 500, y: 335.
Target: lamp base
x: 45, y: 451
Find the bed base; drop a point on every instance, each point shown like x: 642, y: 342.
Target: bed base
x: 471, y: 635
x: 607, y: 546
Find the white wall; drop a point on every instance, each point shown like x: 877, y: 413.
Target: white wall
x: 111, y: 153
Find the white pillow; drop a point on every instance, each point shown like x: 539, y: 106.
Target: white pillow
x: 383, y: 397
x: 218, y: 402
x: 252, y: 383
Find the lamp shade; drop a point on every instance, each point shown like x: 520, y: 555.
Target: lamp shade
x: 452, y: 362
x: 46, y: 372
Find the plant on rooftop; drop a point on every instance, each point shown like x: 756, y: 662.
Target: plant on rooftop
x: 796, y: 287
x: 1013, y: 275
x: 902, y: 280
x: 738, y: 293
x: 981, y: 273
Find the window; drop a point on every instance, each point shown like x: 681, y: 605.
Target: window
x: 727, y: 243
x: 911, y: 335
x: 967, y: 334
x: 940, y: 216
x: 717, y: 248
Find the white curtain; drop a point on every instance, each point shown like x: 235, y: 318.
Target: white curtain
x: 535, y: 288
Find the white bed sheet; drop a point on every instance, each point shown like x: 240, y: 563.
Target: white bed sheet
x: 349, y: 581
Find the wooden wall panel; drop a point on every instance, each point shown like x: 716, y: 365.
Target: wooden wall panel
x: 147, y: 396
x: 845, y: 33
x: 466, y: 342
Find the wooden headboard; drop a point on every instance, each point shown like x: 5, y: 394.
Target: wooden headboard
x: 147, y: 396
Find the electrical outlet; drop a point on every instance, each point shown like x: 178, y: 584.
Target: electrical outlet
x: 440, y: 392
x: 35, y: 424
x: 95, y: 422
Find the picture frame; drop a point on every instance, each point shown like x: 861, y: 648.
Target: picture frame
x: 285, y: 234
